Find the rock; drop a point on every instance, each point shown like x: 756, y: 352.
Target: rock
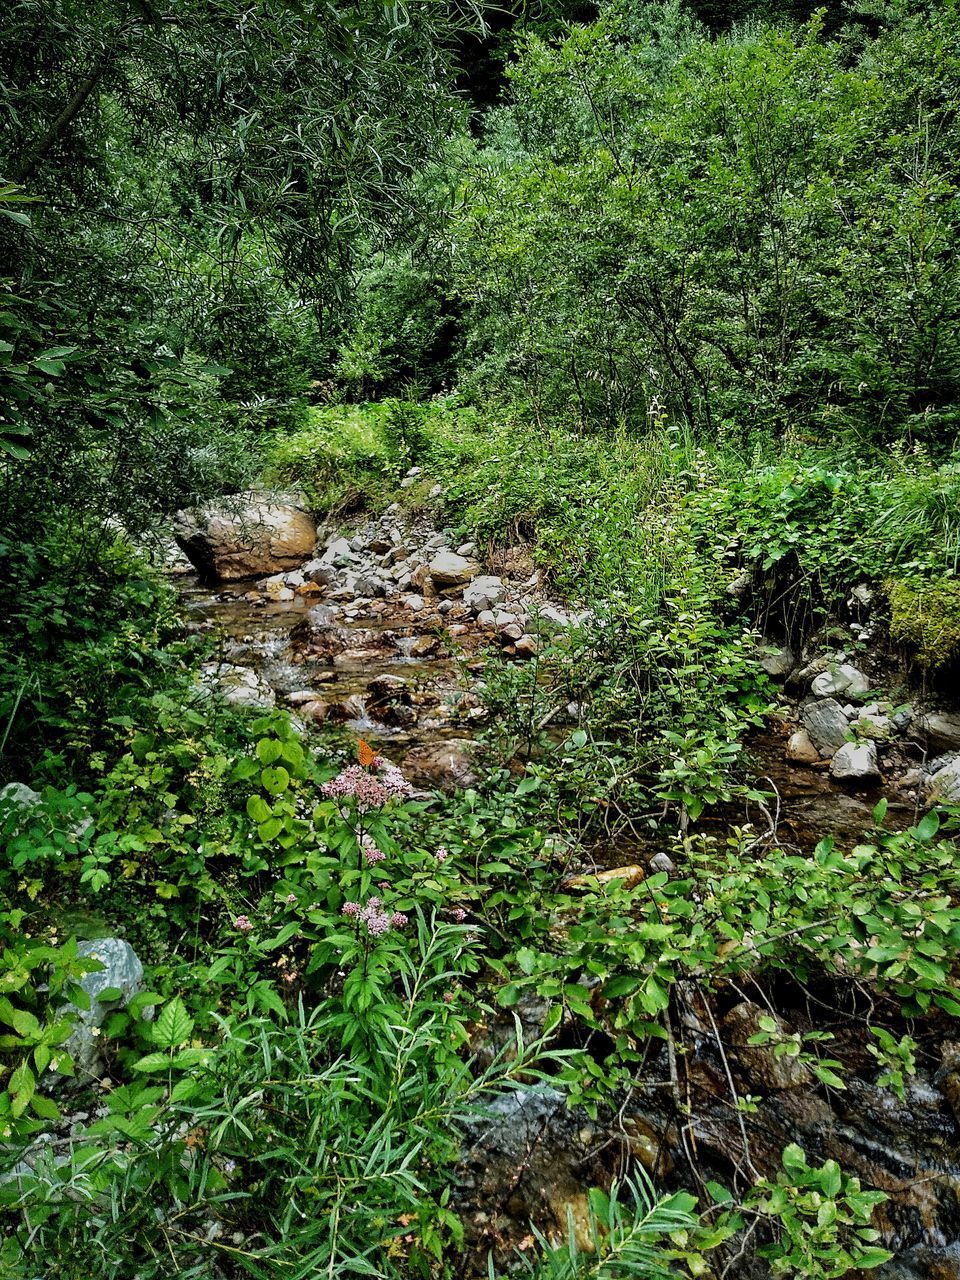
x: 661, y: 862
x: 628, y: 877
x: 779, y: 664
x: 121, y: 970
x: 17, y: 795
x: 241, y: 538
x: 527, y: 646
x: 338, y: 551
x: 447, y: 569
x: 468, y: 549
x: 511, y: 632
x: 944, y: 786
x: 874, y: 726
x: 942, y: 730
x: 739, y: 588
x: 486, y: 618
x: 444, y: 766
x: 826, y: 724
x: 760, y: 1062
x: 416, y: 604
x: 237, y: 686
x: 370, y: 586
x: 841, y: 679
x: 855, y: 762
x: 800, y: 748
x: 483, y: 593
x: 321, y: 573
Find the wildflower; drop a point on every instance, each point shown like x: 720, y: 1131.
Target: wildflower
x: 372, y: 854
x: 350, y: 909
x: 458, y: 914
x: 291, y: 899
x: 243, y: 924
x: 448, y: 997
x: 443, y: 853
x: 398, y: 919
x: 229, y: 1166
x: 291, y: 977
x: 377, y: 922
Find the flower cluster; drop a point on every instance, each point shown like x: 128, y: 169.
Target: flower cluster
x: 243, y: 924
x: 371, y: 790
x: 377, y: 920
x: 372, y: 854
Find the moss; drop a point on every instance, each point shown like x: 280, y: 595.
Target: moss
x: 926, y: 616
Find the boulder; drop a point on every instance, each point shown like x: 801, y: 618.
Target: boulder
x: 826, y: 724
x: 779, y: 663
x: 237, y: 686
x: 942, y: 730
x: 760, y: 1063
x: 800, y: 748
x: 443, y: 766
x: 122, y: 971
x: 844, y: 679
x: 447, y: 569
x: 944, y: 786
x: 855, y: 762
x: 483, y: 593
x: 240, y: 537
x: 17, y: 795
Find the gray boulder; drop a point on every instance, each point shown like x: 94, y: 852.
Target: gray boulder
x: 844, y: 679
x: 779, y: 663
x: 122, y: 971
x: 855, y: 762
x: 942, y: 730
x: 483, y: 593
x: 826, y: 724
x: 944, y: 786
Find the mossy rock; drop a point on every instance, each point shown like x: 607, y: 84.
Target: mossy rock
x: 926, y: 616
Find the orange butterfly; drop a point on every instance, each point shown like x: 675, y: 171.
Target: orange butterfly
x: 365, y: 754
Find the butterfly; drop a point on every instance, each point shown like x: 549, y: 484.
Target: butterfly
x: 365, y: 754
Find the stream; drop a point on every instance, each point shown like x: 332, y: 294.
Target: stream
x: 399, y: 668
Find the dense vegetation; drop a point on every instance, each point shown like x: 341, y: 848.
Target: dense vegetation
x: 670, y: 294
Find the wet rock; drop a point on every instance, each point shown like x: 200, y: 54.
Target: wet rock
x: 243, y: 538
x: 800, y: 748
x: 944, y: 786
x: 237, y: 686
x: 484, y: 592
x: 122, y: 971
x: 441, y: 766
x: 842, y: 679
x: 826, y: 724
x: 760, y: 1063
x: 316, y: 711
x: 855, y: 762
x: 447, y: 569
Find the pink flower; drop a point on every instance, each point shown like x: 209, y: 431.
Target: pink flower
x: 377, y: 922
x: 369, y: 790
x: 448, y: 997
x: 243, y: 924
x: 291, y: 899
x: 370, y: 851
x: 458, y: 914
x: 443, y: 854
x: 398, y: 920
x: 350, y: 909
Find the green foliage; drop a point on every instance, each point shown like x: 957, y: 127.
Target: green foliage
x: 822, y: 1216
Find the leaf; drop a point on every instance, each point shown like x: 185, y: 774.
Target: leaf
x: 51, y: 367
x: 871, y: 1258
x: 258, y: 810
x: 152, y: 1062
x: 173, y: 1026
x: 43, y: 1107
x: 275, y: 779
x: 927, y: 827
x: 269, y: 750
x: 880, y: 811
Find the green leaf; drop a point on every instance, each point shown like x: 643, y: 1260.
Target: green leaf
x: 173, y: 1026
x: 269, y: 750
x: 258, y: 810
x: 152, y: 1062
x: 275, y: 779
x: 928, y: 826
